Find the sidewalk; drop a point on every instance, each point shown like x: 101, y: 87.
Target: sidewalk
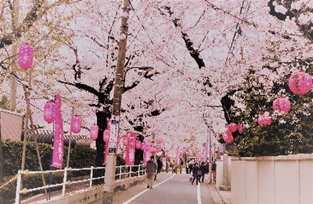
x: 219, y: 197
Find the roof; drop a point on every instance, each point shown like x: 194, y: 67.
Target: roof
x: 45, y: 136
x: 11, y: 125
x: 11, y: 112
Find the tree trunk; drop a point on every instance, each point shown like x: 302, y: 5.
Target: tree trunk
x: 1, y: 158
x: 100, y: 144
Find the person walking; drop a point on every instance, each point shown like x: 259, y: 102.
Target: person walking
x: 151, y: 168
x: 196, y: 174
x: 187, y: 167
x: 159, y: 167
x: 160, y: 164
x: 191, y: 167
x: 203, y: 171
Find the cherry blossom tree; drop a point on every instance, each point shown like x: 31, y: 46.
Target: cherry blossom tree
x: 186, y: 62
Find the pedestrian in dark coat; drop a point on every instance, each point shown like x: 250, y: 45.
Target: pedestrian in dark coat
x: 151, y: 168
x: 203, y: 171
x: 160, y: 165
x: 190, y: 167
x: 196, y: 173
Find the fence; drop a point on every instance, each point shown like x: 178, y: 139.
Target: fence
x: 122, y: 172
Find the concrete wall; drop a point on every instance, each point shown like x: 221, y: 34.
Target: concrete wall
x: 221, y: 178
x: 272, y: 180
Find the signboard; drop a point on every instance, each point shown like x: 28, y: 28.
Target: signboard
x: 146, y: 157
x: 164, y: 163
x: 130, y: 148
x: 113, y: 134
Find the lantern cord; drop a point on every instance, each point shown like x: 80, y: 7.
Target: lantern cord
x: 69, y: 142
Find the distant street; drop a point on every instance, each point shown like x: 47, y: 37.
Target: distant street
x: 168, y: 188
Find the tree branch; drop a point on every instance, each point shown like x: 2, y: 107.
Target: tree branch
x: 81, y: 86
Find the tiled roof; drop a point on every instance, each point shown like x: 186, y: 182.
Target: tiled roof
x: 45, y: 136
x: 11, y: 128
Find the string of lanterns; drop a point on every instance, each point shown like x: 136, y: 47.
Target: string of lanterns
x: 300, y: 83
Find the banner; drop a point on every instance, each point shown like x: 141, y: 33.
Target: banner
x: 164, y: 163
x: 58, y: 144
x: 130, y: 148
x: 146, y: 157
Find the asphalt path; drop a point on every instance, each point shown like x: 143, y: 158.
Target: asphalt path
x: 167, y: 189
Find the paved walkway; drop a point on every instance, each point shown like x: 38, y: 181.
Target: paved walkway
x: 220, y: 197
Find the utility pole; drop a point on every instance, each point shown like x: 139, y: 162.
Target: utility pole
x: 117, y: 101
x: 210, y: 158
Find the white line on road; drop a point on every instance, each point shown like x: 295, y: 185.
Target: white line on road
x: 134, y: 197
x: 199, y: 194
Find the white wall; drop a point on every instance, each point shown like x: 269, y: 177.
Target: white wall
x: 220, y: 170
x: 272, y: 180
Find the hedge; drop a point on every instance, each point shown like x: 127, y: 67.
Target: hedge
x: 80, y: 157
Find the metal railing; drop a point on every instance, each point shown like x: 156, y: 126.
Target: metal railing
x: 126, y: 171
x: 122, y: 172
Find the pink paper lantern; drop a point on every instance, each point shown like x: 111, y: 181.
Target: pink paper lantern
x: 232, y: 127
x: 268, y: 120
x: 154, y: 149
x: 125, y: 141
x: 143, y: 146
x: 228, y: 132
x: 138, y: 144
x: 148, y: 148
x: 281, y: 104
x: 261, y: 120
x: 159, y: 149
x: 106, y: 136
x: 76, y: 124
x: 148, y: 141
x: 300, y: 83
x: 240, y: 128
x: 48, y: 112
x: 228, y: 138
x: 264, y: 120
x: 25, y: 56
x: 225, y: 137
x: 94, y: 132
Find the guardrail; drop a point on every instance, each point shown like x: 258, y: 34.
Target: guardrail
x: 122, y: 172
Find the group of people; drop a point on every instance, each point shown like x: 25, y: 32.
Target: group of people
x: 198, y: 171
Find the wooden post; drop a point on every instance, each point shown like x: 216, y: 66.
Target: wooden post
x: 117, y: 96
